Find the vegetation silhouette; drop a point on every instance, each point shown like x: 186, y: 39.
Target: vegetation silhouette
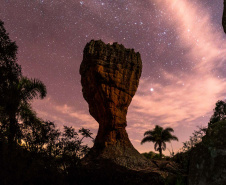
x: 183, y: 157
x: 32, y: 151
x: 159, y: 137
x: 219, y: 113
x: 152, y: 155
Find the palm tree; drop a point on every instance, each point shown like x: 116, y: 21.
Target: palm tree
x: 16, y: 91
x: 159, y: 136
x: 18, y: 102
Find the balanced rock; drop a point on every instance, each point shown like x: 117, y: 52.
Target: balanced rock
x: 110, y: 77
x: 224, y: 17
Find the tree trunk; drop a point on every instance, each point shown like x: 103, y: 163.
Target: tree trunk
x: 12, y: 131
x: 160, y: 150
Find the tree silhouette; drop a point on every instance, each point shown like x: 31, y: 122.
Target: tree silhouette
x: 159, y: 136
x: 20, y: 99
x: 16, y: 91
x: 219, y: 113
x: 10, y: 72
x: 32, y: 151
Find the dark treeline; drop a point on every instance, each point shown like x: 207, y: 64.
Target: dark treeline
x: 219, y: 117
x: 32, y: 151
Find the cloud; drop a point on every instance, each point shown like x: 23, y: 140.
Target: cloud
x: 190, y: 94
x: 64, y: 114
x: 193, y: 24
x: 182, y: 101
x: 185, y: 97
x: 182, y: 97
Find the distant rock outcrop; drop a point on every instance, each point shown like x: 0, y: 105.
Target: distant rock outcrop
x: 224, y: 17
x: 208, y: 159
x: 110, y: 77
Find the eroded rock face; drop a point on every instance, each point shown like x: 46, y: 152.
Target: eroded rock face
x: 110, y: 77
x: 224, y: 17
x: 208, y: 160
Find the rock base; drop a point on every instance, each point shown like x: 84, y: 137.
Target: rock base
x: 107, y: 172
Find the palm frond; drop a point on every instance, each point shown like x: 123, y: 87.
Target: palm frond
x: 156, y: 146
x: 27, y: 115
x: 168, y: 129
x: 32, y: 88
x: 147, y: 139
x: 174, y: 138
x: 149, y: 132
x: 163, y: 146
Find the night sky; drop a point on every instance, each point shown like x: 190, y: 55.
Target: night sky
x: 181, y: 42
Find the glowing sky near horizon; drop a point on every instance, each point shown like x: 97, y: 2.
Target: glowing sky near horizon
x: 181, y: 42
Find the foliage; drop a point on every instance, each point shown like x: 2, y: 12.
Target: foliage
x: 219, y: 113
x: 32, y: 151
x: 16, y: 91
x: 196, y: 138
x: 10, y: 73
x: 159, y: 136
x: 183, y: 157
x: 151, y: 155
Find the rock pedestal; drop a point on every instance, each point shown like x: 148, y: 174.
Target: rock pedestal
x: 110, y: 77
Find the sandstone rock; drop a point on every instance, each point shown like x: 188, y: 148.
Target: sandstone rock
x: 208, y: 159
x: 224, y: 17
x: 110, y: 77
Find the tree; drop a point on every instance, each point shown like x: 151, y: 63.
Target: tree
x: 219, y: 112
x: 10, y: 72
x: 16, y: 91
x: 159, y: 136
x: 9, y: 69
x: 151, y: 155
x: 20, y: 99
x: 196, y: 138
x: 70, y: 147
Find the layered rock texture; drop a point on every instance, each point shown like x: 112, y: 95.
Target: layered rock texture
x: 208, y: 160
x: 224, y: 17
x: 110, y: 77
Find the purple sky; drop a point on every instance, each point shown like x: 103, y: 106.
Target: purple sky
x: 181, y: 42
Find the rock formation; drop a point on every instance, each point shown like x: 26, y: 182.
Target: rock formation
x: 208, y: 159
x: 224, y: 17
x: 110, y: 77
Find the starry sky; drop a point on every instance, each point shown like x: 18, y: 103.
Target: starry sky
x: 181, y: 43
